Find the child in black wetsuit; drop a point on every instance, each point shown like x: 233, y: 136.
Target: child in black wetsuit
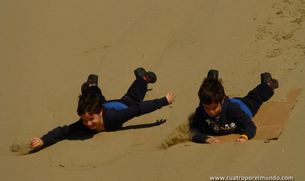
x: 97, y: 114
x: 217, y: 114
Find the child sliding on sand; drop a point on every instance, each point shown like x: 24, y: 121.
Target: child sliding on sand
x: 217, y: 114
x: 98, y: 115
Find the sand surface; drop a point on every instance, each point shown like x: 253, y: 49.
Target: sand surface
x: 48, y: 48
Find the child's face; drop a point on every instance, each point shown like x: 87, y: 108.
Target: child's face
x: 213, y: 109
x: 92, y: 120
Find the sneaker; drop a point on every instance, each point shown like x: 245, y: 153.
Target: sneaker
x: 273, y: 84
x: 213, y: 74
x: 91, y: 81
x: 266, y: 77
x: 140, y: 72
x: 150, y: 77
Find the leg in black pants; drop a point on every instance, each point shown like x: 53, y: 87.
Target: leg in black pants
x: 257, y: 97
x: 135, y: 93
x: 97, y: 91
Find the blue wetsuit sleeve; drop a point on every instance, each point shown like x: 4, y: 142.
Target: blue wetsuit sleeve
x: 196, y: 127
x: 113, y: 119
x: 63, y: 132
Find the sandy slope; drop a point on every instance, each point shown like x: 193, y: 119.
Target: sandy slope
x: 49, y: 48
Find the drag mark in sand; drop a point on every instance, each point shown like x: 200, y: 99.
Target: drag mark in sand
x: 180, y: 135
x: 20, y: 148
x: 95, y: 49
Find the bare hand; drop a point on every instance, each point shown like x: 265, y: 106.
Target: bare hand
x: 36, y: 143
x: 241, y: 139
x: 212, y: 141
x: 170, y: 98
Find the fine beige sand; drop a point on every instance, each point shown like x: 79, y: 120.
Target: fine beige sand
x: 48, y: 48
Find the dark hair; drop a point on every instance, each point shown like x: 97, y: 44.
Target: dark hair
x: 211, y: 91
x: 90, y: 103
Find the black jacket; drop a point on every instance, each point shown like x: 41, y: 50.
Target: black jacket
x: 232, y: 119
x: 113, y: 120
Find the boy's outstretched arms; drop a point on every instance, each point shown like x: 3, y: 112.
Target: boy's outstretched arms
x: 144, y: 107
x: 36, y: 143
x: 170, y: 98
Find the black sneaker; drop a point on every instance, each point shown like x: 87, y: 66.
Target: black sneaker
x: 213, y: 74
x: 150, y: 77
x: 140, y: 72
x: 91, y: 81
x: 266, y: 77
x: 273, y: 84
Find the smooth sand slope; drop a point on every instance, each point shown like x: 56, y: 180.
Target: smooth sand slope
x: 48, y: 48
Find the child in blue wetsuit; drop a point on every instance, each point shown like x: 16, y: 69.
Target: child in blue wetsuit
x: 217, y: 114
x: 98, y: 115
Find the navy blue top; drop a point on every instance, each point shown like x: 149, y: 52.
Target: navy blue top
x: 232, y: 118
x: 113, y: 120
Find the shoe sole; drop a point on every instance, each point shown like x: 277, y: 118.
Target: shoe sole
x: 213, y: 74
x: 92, y: 79
x: 152, y: 77
x: 140, y: 72
x: 266, y: 77
x: 275, y: 84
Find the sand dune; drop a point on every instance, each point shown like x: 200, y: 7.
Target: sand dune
x: 48, y: 48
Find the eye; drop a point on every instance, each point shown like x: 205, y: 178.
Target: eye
x: 84, y: 122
